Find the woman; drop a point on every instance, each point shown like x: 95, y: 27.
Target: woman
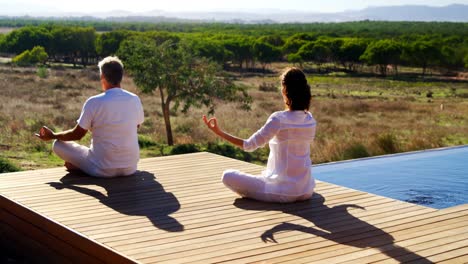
x: 287, y: 177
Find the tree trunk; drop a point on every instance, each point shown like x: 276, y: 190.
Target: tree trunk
x: 167, y: 122
x: 167, y: 118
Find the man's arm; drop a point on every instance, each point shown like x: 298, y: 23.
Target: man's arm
x: 73, y: 134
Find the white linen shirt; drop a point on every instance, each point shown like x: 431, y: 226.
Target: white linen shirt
x: 113, y: 117
x: 289, y: 134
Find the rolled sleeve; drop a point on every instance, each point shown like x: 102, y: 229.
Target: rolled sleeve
x: 263, y: 135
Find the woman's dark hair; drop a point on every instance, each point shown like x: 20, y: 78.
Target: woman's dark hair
x: 296, y: 89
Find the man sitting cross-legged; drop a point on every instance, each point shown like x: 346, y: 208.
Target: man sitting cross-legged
x: 113, y: 118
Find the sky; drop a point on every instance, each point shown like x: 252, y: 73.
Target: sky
x: 94, y: 6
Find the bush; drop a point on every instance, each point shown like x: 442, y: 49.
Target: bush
x: 7, y: 166
x: 387, y: 143
x: 268, y: 87
x: 42, y: 72
x: 229, y: 150
x: 36, y: 55
x: 184, y: 149
x: 355, y: 151
x: 145, y: 142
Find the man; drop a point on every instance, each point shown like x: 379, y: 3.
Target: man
x: 113, y: 118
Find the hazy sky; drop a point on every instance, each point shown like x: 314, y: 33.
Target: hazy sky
x: 90, y: 6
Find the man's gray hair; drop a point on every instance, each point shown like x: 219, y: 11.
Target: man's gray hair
x: 109, y: 59
x: 111, y: 68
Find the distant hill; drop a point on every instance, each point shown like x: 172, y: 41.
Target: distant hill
x: 450, y: 13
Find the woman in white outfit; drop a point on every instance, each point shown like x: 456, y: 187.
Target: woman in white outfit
x: 289, y: 133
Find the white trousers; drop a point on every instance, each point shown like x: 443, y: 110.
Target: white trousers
x: 77, y: 155
x: 251, y: 186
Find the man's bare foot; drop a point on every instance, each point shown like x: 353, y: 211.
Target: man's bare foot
x: 70, y: 167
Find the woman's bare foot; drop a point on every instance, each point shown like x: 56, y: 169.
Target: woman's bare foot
x: 70, y: 167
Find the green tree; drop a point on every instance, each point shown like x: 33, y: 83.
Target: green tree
x: 109, y: 42
x: 466, y: 61
x: 241, y: 50
x: 295, y: 58
x: 274, y: 40
x: 316, y: 52
x: 182, y: 79
x: 73, y: 43
x: 423, y: 54
x: 26, y: 38
x: 383, y: 53
x: 212, y: 49
x: 350, y: 52
x: 265, y: 53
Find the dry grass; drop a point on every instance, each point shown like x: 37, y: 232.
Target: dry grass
x: 356, y: 116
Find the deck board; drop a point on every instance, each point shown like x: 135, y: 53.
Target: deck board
x: 176, y: 210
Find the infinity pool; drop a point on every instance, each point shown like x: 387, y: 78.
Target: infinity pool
x: 435, y: 178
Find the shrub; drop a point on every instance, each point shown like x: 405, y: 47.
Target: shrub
x: 42, y: 72
x: 30, y: 57
x: 23, y: 59
x: 145, y: 142
x: 387, y: 143
x: 228, y: 150
x: 355, y: 151
x: 7, y: 166
x: 268, y: 87
x: 185, y: 148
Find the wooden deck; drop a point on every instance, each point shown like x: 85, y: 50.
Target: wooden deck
x: 176, y: 210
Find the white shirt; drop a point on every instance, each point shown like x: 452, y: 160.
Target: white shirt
x: 113, y: 117
x: 289, y: 134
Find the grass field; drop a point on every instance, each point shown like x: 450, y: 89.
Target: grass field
x: 358, y: 116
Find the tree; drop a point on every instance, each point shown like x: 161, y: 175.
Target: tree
x: 73, y: 43
x: 466, y: 61
x: 422, y: 54
x: 296, y: 58
x: 26, y: 38
x: 182, y: 79
x: 212, y: 49
x: 383, y: 53
x: 317, y: 52
x: 241, y: 50
x: 350, y: 52
x: 109, y: 42
x: 265, y: 53
x: 273, y: 40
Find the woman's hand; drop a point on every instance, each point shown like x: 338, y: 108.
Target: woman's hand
x: 212, y: 124
x: 45, y: 134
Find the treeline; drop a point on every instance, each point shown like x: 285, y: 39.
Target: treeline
x: 250, y: 46
x: 372, y: 29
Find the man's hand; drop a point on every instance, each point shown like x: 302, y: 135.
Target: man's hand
x: 45, y: 133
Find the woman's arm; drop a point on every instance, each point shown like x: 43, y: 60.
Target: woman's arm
x: 212, y: 124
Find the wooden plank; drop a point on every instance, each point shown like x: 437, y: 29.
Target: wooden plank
x: 303, y: 242
x: 453, y: 256
x: 424, y: 249
x: 337, y: 252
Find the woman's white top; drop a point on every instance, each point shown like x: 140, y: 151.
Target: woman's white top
x: 289, y: 134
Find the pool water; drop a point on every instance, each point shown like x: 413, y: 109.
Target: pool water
x: 435, y: 178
